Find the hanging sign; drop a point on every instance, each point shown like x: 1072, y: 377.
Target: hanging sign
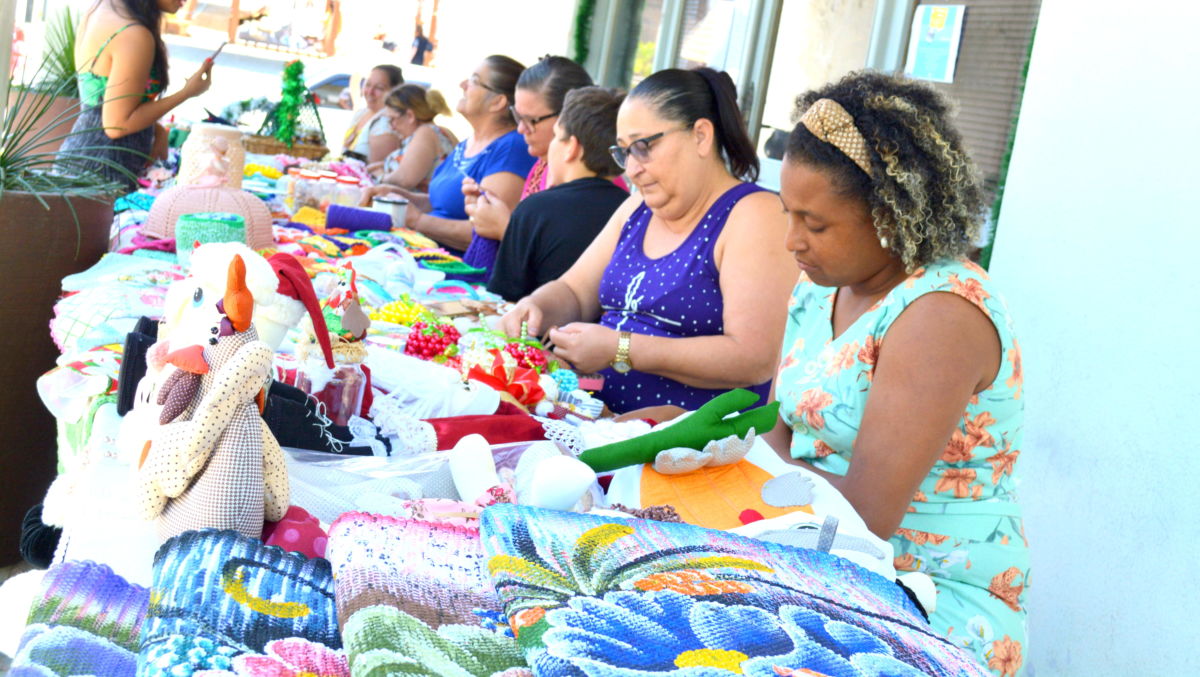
x: 933, y: 42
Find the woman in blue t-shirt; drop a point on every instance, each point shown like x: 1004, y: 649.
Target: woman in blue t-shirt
x: 495, y: 156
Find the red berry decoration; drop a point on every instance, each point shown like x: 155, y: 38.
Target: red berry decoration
x: 436, y: 342
x: 527, y: 356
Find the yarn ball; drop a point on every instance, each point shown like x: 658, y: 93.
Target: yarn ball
x: 38, y: 539
x: 298, y: 531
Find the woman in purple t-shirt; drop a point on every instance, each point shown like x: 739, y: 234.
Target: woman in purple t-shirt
x: 683, y: 294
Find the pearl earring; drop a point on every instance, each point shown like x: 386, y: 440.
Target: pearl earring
x: 883, y: 241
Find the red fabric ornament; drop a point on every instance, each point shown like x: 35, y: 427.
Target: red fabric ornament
x: 495, y: 429
x: 295, y: 283
x: 750, y: 515
x: 522, y: 384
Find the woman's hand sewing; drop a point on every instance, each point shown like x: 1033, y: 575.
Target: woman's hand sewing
x: 588, y: 347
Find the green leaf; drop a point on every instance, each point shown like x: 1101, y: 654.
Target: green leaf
x: 27, y: 124
x: 384, y: 640
x: 525, y: 571
x: 590, y: 544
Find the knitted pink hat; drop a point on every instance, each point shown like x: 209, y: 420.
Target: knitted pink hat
x: 175, y: 202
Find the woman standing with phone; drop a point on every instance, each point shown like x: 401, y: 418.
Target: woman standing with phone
x: 122, y: 70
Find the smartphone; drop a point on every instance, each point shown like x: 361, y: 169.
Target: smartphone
x: 214, y: 54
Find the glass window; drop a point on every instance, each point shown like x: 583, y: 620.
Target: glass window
x: 816, y: 44
x: 643, y: 59
x: 714, y: 33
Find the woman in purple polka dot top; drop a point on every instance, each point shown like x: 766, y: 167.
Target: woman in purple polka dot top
x: 683, y: 295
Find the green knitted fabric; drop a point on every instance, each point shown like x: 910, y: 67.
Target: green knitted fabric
x: 206, y: 227
x: 453, y: 267
x: 87, y: 622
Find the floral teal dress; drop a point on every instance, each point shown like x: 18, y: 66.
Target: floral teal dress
x: 963, y: 527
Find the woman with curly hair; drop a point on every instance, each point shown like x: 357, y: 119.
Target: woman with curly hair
x: 900, y: 378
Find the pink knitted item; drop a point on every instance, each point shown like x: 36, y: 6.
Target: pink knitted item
x: 175, y: 202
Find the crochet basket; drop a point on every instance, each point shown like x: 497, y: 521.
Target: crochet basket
x: 175, y: 202
x: 269, y: 145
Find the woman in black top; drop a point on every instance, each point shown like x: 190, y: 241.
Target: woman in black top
x: 549, y: 230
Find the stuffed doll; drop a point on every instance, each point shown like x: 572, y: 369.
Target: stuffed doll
x: 203, y: 187
x: 282, y: 294
x: 343, y: 311
x: 213, y: 462
x: 342, y: 384
x: 707, y: 424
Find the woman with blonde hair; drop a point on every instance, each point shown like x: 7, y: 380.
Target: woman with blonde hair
x: 410, y: 110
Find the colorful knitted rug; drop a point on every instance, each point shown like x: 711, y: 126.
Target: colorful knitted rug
x: 86, y: 622
x: 414, y: 599
x: 597, y: 596
x: 223, y: 604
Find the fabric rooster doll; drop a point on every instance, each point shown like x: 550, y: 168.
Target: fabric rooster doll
x: 343, y: 311
x: 213, y: 462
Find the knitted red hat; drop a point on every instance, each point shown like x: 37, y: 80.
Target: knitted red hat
x: 294, y: 282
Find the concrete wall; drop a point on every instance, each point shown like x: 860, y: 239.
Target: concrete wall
x: 1096, y: 249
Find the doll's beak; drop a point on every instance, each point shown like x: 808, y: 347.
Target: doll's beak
x: 189, y: 359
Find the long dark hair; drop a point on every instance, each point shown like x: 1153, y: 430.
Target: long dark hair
x: 685, y: 96
x: 552, y: 77
x: 147, y: 13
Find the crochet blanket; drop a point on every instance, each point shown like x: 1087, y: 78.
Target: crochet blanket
x: 597, y: 596
x: 414, y: 599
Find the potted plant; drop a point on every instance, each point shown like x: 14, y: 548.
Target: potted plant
x: 55, y: 78
x: 55, y: 219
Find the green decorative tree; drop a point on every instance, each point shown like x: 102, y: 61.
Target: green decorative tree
x: 294, y: 94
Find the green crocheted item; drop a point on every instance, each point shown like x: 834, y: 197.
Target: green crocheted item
x: 706, y: 424
x: 155, y: 254
x: 206, y: 227
x: 453, y: 267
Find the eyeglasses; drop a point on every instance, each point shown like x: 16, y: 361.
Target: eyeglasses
x: 475, y: 80
x: 528, y: 121
x: 639, y: 149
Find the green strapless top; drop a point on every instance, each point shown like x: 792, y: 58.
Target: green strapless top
x: 92, y: 86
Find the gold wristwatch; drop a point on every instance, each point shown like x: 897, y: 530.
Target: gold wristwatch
x: 621, y: 362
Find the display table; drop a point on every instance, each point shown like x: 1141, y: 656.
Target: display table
x: 403, y: 551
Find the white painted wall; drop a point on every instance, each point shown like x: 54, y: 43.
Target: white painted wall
x: 1097, y: 250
